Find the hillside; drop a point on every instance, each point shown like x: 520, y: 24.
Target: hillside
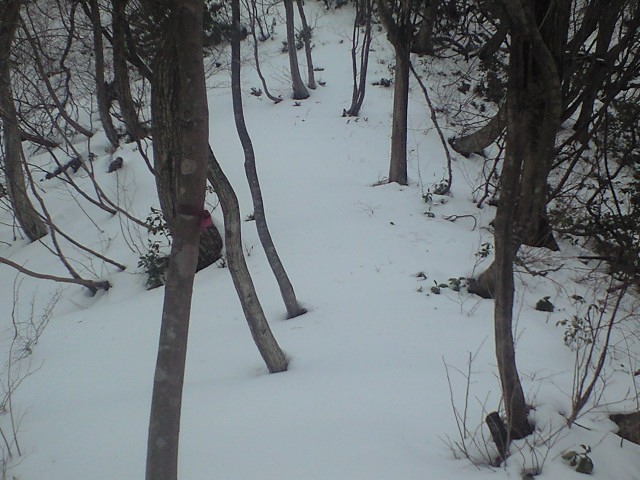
x: 379, y: 366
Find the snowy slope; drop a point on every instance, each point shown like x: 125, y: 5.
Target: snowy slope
x: 367, y: 395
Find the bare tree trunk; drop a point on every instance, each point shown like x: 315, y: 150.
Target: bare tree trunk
x: 534, y: 108
x: 398, y: 162
x: 514, y: 400
x: 306, y: 38
x: 360, y: 80
x: 286, y: 289
x: 104, y: 101
x: 599, y: 71
x: 533, y: 120
x: 28, y: 219
x: 165, y: 104
x: 397, y: 17
x: 190, y: 164
x: 423, y: 41
x: 268, y: 347
x: 253, y: 16
x: 300, y: 92
x: 121, y: 81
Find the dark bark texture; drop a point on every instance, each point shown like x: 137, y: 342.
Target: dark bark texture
x: 397, y: 17
x: 300, y: 92
x: 534, y: 108
x: 28, y: 218
x: 189, y: 161
x: 104, y: 100
x: 121, y: 83
x: 165, y: 105
x: 268, y: 347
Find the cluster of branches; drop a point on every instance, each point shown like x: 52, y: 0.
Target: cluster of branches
x: 568, y: 108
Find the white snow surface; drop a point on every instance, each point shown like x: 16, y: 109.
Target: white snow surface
x: 378, y: 363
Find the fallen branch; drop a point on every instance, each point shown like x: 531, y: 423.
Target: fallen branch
x: 93, y: 285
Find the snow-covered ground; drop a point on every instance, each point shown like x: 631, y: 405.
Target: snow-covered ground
x: 377, y: 365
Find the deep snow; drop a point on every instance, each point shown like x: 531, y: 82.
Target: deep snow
x: 367, y: 393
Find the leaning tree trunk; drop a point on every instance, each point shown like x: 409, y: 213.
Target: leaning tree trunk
x: 286, y: 288
x: 477, y: 141
x: 122, y: 85
x: 534, y: 108
x: 27, y: 217
x: 190, y: 164
x: 306, y: 38
x: 104, y: 100
x: 300, y: 92
x: 268, y: 347
x: 398, y: 161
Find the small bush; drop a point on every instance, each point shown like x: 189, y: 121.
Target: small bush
x: 155, y: 262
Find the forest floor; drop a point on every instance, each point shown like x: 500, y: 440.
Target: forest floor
x: 389, y: 376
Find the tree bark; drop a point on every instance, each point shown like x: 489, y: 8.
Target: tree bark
x: 398, y: 161
x: 360, y: 80
x: 300, y: 92
x: 423, y: 41
x: 121, y: 81
x: 27, y: 217
x: 286, y: 288
x: 534, y: 112
x: 104, y: 100
x: 268, y: 347
x: 534, y: 108
x: 599, y: 71
x: 253, y: 16
x: 513, y: 395
x: 397, y: 19
x: 306, y: 38
x: 190, y: 164
x: 165, y: 105
x: 477, y: 141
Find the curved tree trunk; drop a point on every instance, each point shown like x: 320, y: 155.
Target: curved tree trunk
x: 360, y: 80
x: 122, y: 85
x: 190, y: 164
x: 300, y: 92
x: 286, y: 289
x: 534, y: 109
x: 27, y: 217
x: 253, y: 18
x: 268, y: 347
x: 477, y: 141
x: 104, y: 100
